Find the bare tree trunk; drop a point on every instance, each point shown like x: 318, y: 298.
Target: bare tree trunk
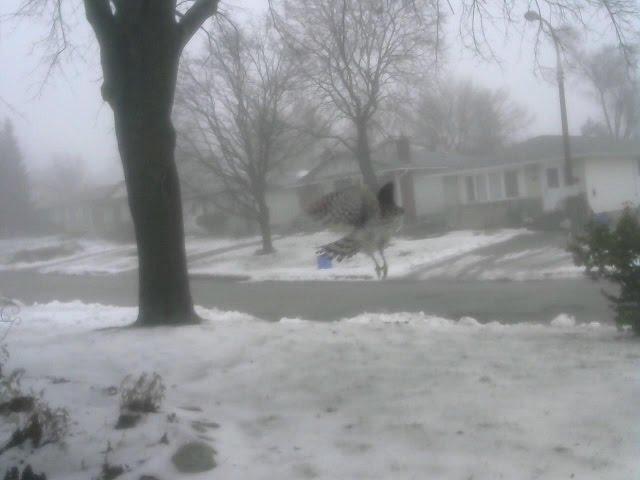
x: 140, y: 67
x: 605, y: 111
x: 363, y: 154
x: 154, y: 199
x: 264, y: 221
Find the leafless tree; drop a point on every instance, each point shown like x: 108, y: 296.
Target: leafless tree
x: 65, y: 176
x: 612, y: 78
x: 463, y: 117
x: 479, y: 21
x: 235, y: 110
x: 141, y: 42
x: 356, y: 54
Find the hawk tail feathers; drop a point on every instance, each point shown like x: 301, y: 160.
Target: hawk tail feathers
x: 346, y: 247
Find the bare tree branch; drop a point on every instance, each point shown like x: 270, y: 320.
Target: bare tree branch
x: 234, y: 108
x: 356, y: 54
x: 193, y: 19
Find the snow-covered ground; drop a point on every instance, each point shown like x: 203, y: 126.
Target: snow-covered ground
x: 295, y: 257
x: 397, y: 396
x: 547, y: 262
x: 94, y: 256
x: 450, y: 255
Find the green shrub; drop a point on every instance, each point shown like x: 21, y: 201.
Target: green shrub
x: 614, y: 254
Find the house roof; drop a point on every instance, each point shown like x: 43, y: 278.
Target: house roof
x: 385, y: 159
x: 544, y: 148
x: 550, y: 147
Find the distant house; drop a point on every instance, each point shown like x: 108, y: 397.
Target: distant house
x: 210, y: 212
x: 528, y: 180
x: 521, y: 183
x: 410, y: 167
x: 100, y: 211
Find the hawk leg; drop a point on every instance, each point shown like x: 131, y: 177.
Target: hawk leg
x: 385, y: 267
x: 379, y: 268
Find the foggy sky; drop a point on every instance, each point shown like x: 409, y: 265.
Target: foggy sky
x: 67, y: 115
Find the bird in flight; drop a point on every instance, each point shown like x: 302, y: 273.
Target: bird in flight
x: 371, y: 220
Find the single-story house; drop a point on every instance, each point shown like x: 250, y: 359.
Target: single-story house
x: 100, y: 211
x: 397, y: 160
x: 104, y: 211
x: 521, y: 183
x: 528, y: 180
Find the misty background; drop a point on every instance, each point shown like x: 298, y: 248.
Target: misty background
x: 64, y: 119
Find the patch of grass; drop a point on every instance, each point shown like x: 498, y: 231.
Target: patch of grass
x: 142, y: 395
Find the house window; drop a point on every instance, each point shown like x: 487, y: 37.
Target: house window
x: 511, y: 184
x: 481, y: 188
x: 476, y: 188
x: 553, y: 178
x: 471, y: 189
x: 495, y: 186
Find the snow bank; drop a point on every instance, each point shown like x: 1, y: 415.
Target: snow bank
x: 563, y: 321
x: 378, y: 396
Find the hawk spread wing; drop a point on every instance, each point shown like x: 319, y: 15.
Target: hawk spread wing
x: 351, y: 207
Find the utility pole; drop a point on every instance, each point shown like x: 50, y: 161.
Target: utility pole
x: 532, y: 16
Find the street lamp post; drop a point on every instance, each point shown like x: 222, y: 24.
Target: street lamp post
x: 532, y: 16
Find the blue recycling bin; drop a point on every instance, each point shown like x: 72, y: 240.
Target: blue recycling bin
x: 324, y: 262
x: 602, y: 219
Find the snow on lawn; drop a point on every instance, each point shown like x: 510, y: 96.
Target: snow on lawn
x: 543, y: 263
x: 94, y: 256
x: 295, y: 257
x: 535, y: 264
x: 66, y: 255
x: 394, y: 396
x: 449, y: 255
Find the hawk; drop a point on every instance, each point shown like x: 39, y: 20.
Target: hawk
x: 371, y: 220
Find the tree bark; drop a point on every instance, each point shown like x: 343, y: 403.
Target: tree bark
x: 140, y: 64
x: 264, y: 222
x: 154, y: 199
x: 363, y: 154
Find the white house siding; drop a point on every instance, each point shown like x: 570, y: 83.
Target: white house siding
x: 611, y: 183
x: 490, y: 185
x: 429, y: 194
x: 553, y: 197
x: 532, y: 181
x: 284, y: 206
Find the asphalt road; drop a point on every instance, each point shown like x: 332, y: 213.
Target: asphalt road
x: 452, y: 298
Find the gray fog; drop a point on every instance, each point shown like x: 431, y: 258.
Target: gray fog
x: 66, y: 115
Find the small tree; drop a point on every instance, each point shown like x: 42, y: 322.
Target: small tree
x: 611, y: 74
x: 235, y: 110
x: 16, y: 210
x: 614, y: 254
x: 466, y: 118
x: 63, y: 177
x: 356, y: 57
